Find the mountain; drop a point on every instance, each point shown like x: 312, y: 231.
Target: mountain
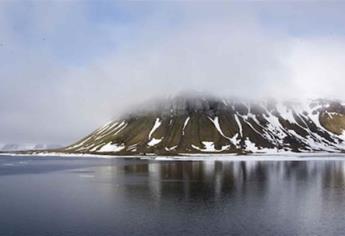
x: 212, y: 125
x: 21, y: 147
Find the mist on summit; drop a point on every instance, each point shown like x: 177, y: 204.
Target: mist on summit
x: 68, y: 67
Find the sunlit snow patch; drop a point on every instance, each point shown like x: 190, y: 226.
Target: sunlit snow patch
x: 154, y: 142
x: 185, y: 124
x: 209, y: 147
x: 251, y: 147
x: 171, y: 148
x: 155, y: 127
x: 286, y: 113
x: 239, y: 125
x: 112, y: 147
x: 342, y: 136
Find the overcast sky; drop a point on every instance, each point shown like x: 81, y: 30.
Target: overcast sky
x: 66, y: 67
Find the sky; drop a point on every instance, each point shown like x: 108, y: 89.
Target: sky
x: 67, y: 67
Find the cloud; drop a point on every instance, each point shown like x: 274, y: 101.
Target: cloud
x: 69, y: 69
x: 316, y: 68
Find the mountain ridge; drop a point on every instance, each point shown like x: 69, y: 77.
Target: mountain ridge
x: 195, y: 124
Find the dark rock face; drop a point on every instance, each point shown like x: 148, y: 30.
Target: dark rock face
x: 211, y: 125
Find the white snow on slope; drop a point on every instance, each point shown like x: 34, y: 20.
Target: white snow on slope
x: 215, y: 121
x: 250, y: 146
x: 120, y: 127
x: 286, y: 112
x: 185, y: 124
x: 235, y: 141
x: 269, y: 125
x: 98, y: 134
x: 209, y: 147
x: 115, y: 129
x: 109, y: 147
x: 132, y: 147
x: 171, y: 148
x: 342, y: 136
x: 155, y: 127
x: 275, y: 127
x: 239, y: 125
x: 154, y: 142
x: 80, y: 143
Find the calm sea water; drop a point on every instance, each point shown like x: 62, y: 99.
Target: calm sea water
x: 75, y: 196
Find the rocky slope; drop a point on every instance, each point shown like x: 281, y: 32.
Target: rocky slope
x: 211, y: 125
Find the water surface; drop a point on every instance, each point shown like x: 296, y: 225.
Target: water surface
x: 90, y: 196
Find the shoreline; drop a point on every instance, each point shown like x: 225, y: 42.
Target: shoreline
x: 199, y: 157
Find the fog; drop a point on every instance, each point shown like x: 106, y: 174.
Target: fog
x: 68, y: 67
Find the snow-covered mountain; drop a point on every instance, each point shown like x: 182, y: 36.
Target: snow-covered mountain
x: 23, y: 147
x: 211, y: 125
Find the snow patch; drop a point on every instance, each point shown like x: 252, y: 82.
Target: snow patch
x: 170, y: 148
x: 286, y: 113
x: 132, y: 147
x: 239, y: 125
x: 250, y: 146
x: 235, y: 141
x: 154, y: 142
x: 155, y: 127
x: 342, y: 136
x: 215, y: 121
x: 110, y: 147
x: 185, y: 124
x: 209, y: 147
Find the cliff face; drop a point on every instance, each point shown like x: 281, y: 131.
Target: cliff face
x: 199, y: 125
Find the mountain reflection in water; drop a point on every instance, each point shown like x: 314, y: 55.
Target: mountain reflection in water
x: 56, y: 196
x: 215, y: 180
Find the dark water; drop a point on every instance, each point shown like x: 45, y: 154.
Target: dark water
x: 73, y: 196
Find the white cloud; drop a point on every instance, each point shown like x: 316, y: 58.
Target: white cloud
x: 86, y: 71
x: 316, y: 67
